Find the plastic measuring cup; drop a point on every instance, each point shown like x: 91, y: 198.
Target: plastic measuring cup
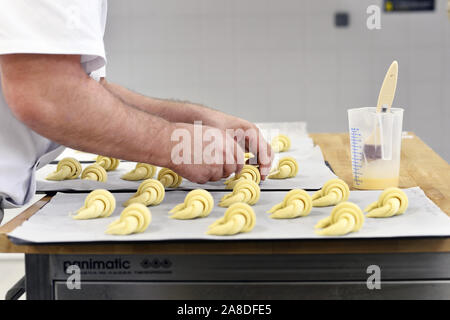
x: 375, y: 144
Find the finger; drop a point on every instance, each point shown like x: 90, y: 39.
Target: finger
x: 217, y: 173
x: 196, y: 173
x: 262, y: 150
x: 239, y: 157
x: 265, y: 159
x: 240, y: 161
x: 234, y: 154
x: 228, y: 169
x: 201, y: 179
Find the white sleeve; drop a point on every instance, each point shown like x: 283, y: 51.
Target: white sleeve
x: 99, y: 73
x: 55, y: 27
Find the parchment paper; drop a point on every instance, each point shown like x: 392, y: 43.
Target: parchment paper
x: 79, y: 155
x: 53, y: 224
x: 291, y: 129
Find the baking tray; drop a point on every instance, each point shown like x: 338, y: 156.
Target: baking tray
x: 52, y: 223
x: 313, y: 173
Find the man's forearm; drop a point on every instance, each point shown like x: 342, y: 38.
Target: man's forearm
x: 78, y: 112
x: 174, y: 111
x: 248, y: 134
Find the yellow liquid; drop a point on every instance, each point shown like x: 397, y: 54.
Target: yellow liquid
x: 376, y: 184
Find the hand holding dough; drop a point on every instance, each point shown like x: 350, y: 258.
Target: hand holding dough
x: 246, y: 191
x: 280, y: 143
x: 197, y: 204
x: 346, y: 217
x: 248, y: 172
x: 98, y: 204
x: 108, y: 163
x: 134, y: 219
x: 287, y: 168
x: 142, y: 171
x: 296, y: 203
x: 392, y: 201
x: 333, y: 192
x: 150, y: 193
x: 239, y: 217
x: 67, y: 169
x: 169, y: 179
x: 95, y: 173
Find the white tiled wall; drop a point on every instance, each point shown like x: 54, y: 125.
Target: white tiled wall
x: 284, y: 59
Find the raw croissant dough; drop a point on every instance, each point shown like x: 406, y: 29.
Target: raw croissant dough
x: 281, y: 143
x: 95, y: 173
x: 142, y: 171
x: 99, y: 203
x: 150, y: 193
x: 67, y: 169
x: 239, y: 217
x: 134, y: 219
x: 287, y: 168
x: 333, y: 192
x: 246, y: 191
x: 248, y: 172
x: 197, y: 204
x: 169, y: 179
x: 247, y: 157
x: 346, y: 217
x: 296, y: 203
x: 108, y: 163
x: 392, y: 201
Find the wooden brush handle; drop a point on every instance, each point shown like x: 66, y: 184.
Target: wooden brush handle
x: 387, y: 91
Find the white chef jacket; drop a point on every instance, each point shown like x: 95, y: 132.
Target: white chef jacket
x: 44, y: 27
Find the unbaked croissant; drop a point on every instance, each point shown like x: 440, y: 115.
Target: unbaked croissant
x: 169, y: 178
x: 332, y: 192
x: 149, y: 193
x: 296, y: 203
x: 67, y: 169
x: 392, y: 201
x: 108, y: 163
x: 142, y: 171
x: 197, y: 204
x: 281, y: 143
x: 94, y: 172
x: 239, y: 217
x: 134, y: 219
x: 346, y: 217
x: 287, y: 168
x: 245, y: 191
x: 247, y: 157
x: 248, y: 172
x: 99, y: 203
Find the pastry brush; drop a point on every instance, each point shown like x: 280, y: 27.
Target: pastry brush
x: 372, y: 146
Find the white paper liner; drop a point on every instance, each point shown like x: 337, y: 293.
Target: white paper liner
x: 79, y: 155
x: 52, y: 223
x: 294, y: 128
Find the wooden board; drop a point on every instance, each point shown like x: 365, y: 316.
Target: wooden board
x: 420, y: 166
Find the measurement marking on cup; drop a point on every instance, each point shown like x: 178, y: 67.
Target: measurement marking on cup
x: 356, y: 150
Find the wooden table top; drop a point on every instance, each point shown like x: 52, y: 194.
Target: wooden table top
x: 420, y: 166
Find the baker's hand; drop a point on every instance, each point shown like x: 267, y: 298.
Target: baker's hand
x: 248, y: 136
x: 201, y: 153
